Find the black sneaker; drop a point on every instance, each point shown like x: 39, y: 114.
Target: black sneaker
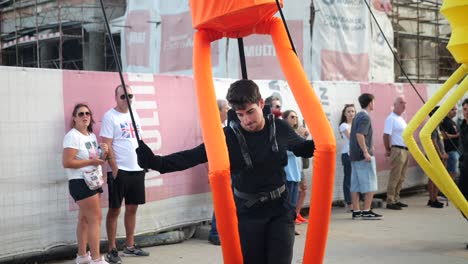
x: 435, y: 204
x: 113, y: 257
x: 134, y: 252
x: 393, y: 206
x: 369, y: 215
x: 401, y: 204
x: 214, y: 240
x: 356, y: 215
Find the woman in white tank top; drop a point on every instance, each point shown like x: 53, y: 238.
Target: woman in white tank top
x: 347, y: 115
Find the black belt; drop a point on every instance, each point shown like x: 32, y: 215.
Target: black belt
x: 253, y: 198
x: 400, y: 147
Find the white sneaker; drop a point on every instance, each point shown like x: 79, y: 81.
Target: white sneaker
x: 99, y: 261
x: 83, y: 259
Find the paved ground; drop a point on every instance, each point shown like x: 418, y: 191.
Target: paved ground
x: 418, y: 234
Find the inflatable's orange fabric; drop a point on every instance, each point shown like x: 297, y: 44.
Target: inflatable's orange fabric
x: 209, y: 30
x: 230, y: 15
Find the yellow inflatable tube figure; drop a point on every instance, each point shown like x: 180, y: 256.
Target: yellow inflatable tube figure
x: 455, y: 11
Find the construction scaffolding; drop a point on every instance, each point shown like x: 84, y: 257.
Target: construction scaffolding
x: 69, y: 34
x: 421, y: 36
x: 60, y: 34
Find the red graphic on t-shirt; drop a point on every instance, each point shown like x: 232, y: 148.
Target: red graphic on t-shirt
x: 127, y: 130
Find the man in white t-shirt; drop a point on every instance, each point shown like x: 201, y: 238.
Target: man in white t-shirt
x: 127, y: 179
x: 397, y: 151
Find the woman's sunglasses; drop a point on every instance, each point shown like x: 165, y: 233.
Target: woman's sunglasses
x: 81, y: 114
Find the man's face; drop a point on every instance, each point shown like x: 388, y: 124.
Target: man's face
x: 399, y: 106
x: 371, y: 105
x: 276, y: 105
x: 465, y: 111
x: 453, y: 112
x: 251, y: 117
x: 121, y: 100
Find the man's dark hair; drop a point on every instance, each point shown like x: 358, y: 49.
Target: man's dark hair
x: 243, y: 92
x: 433, y: 111
x: 365, y: 99
x: 465, y: 102
x: 269, y: 100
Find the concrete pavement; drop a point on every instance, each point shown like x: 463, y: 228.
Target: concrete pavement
x: 418, y: 234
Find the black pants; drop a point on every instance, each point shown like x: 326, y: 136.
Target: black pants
x: 463, y: 180
x: 267, y: 237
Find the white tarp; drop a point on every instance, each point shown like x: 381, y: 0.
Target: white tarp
x: 347, y: 45
x: 381, y: 56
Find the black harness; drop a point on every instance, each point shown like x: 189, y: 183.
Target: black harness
x: 261, y: 197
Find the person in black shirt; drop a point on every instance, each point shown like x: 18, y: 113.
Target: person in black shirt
x: 257, y: 146
x: 451, y: 135
x: 463, y: 182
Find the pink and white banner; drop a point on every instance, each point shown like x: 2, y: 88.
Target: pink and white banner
x: 169, y: 115
x: 385, y: 93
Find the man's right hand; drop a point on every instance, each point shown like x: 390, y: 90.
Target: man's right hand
x: 367, y: 157
x: 387, y: 153
x: 146, y: 157
x: 115, y: 171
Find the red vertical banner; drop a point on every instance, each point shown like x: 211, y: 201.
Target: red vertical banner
x: 260, y: 54
x: 137, y: 38
x: 177, y: 43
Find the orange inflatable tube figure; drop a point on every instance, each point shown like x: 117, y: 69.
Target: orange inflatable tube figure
x: 215, y: 19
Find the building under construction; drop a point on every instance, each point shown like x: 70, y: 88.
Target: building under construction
x: 59, y: 34
x: 70, y: 34
x: 421, y: 36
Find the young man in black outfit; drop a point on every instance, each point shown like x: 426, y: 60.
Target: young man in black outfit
x: 463, y: 181
x: 257, y: 147
x: 449, y: 130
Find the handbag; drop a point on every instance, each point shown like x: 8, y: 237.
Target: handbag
x: 93, y: 179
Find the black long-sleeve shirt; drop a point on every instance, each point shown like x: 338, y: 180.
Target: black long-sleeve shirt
x: 267, y: 172
x: 463, y: 181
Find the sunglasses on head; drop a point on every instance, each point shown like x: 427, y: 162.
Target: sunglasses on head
x: 81, y: 114
x: 122, y: 97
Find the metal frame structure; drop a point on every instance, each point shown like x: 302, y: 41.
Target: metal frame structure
x: 54, y: 33
x: 427, y: 59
